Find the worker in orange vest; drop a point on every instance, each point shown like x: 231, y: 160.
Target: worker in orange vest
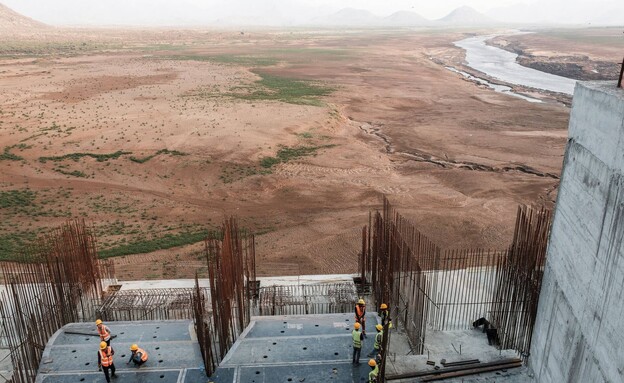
x: 138, y: 355
x: 105, y: 360
x: 360, y: 315
x: 103, y: 331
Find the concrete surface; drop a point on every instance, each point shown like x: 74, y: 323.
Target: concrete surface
x: 579, y: 332
x: 264, y: 281
x: 310, y: 348
x: 174, y: 354
x: 453, y: 346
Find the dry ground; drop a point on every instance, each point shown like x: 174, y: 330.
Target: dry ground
x: 454, y: 157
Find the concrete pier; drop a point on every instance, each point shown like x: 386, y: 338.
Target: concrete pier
x: 579, y: 333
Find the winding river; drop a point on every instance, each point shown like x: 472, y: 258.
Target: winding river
x: 500, y: 64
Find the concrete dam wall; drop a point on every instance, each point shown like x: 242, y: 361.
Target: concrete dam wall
x: 579, y: 333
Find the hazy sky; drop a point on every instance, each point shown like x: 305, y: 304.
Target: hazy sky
x: 201, y: 11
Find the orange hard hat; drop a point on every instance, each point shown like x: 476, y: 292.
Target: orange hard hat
x: 357, y: 325
x: 383, y: 306
x: 103, y: 345
x: 372, y: 363
x: 134, y: 347
x: 98, y: 322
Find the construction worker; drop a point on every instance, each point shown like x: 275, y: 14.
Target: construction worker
x: 105, y: 360
x: 360, y: 315
x: 384, y: 313
x: 104, y: 332
x: 138, y: 355
x: 357, y: 336
x: 372, y: 376
x: 378, y: 339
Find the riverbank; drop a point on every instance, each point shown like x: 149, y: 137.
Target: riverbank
x: 581, y: 54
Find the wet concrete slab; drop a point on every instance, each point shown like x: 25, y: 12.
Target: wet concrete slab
x: 310, y: 348
x: 174, y: 354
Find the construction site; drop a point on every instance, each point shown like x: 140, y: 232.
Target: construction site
x: 455, y: 314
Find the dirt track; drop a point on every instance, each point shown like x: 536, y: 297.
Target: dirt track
x: 453, y: 156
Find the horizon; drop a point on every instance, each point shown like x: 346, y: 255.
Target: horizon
x: 302, y: 12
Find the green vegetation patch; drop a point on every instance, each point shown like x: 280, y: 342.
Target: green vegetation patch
x: 142, y: 160
x: 36, y: 48
x: 147, y: 246
x: 288, y: 90
x: 242, y: 60
x: 73, y: 173
x: 77, y: 156
x: 17, y: 198
x: 235, y: 172
x: 13, y: 244
x: 6, y: 154
x: 286, y: 154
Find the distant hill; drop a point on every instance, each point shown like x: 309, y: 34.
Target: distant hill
x: 406, y: 19
x: 12, y: 22
x: 463, y: 16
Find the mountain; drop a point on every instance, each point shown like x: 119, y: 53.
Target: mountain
x: 406, y: 19
x: 349, y: 17
x: 12, y: 22
x: 466, y: 16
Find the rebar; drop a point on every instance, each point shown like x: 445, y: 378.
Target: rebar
x: 427, y: 287
x: 56, y: 281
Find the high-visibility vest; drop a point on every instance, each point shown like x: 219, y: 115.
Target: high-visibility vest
x: 106, y: 357
x: 104, y: 332
x: 372, y: 376
x: 357, y: 339
x: 360, y: 311
x: 378, y: 339
x: 143, y: 354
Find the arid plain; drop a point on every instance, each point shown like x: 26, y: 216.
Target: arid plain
x: 154, y: 136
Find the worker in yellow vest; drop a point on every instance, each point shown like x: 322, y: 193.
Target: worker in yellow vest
x: 357, y: 336
x: 378, y: 340
x: 138, y: 355
x: 105, y: 360
x: 374, y: 373
x: 103, y: 331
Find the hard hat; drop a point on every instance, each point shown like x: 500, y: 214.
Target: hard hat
x: 98, y: 322
x: 103, y: 345
x: 357, y: 325
x: 372, y: 363
x: 361, y: 302
x: 383, y: 306
x: 379, y: 327
x: 134, y: 347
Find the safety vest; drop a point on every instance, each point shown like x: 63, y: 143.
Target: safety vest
x: 360, y: 311
x: 378, y: 339
x: 372, y: 376
x: 143, y: 354
x: 104, y: 333
x: 357, y: 339
x: 106, y: 357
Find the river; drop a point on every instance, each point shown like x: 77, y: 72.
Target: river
x: 500, y: 64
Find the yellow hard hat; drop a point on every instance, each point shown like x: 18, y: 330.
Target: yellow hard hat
x: 134, y: 347
x: 357, y: 325
x: 383, y: 306
x: 372, y: 363
x: 361, y: 302
x: 103, y: 345
x: 379, y: 327
x: 98, y: 322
